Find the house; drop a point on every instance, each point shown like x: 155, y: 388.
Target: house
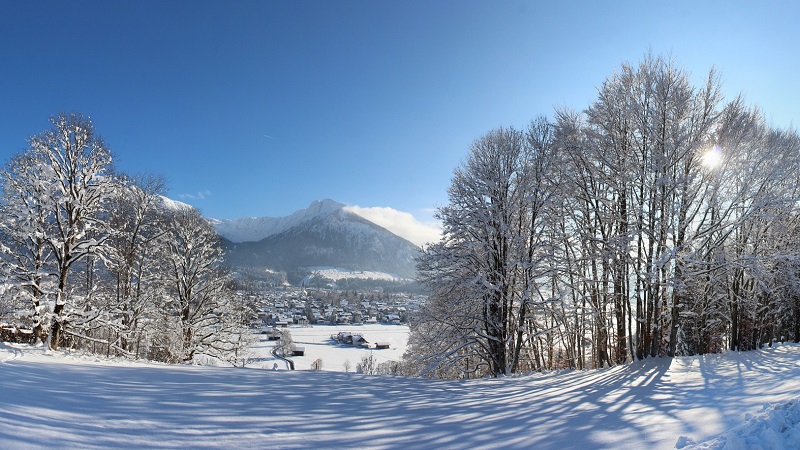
x: 345, y: 337
x: 359, y: 341
x: 273, y: 334
x: 299, y: 351
x: 393, y: 319
x: 381, y: 345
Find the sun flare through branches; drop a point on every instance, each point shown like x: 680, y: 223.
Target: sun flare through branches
x: 712, y: 158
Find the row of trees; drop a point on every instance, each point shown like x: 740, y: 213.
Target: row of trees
x: 98, y: 260
x: 662, y: 220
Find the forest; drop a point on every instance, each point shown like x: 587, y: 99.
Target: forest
x: 661, y: 220
x: 97, y: 260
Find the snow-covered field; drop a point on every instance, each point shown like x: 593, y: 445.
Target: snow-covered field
x: 318, y: 345
x: 67, y: 401
x: 336, y: 274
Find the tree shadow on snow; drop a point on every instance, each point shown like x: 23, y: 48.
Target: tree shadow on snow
x: 634, y: 406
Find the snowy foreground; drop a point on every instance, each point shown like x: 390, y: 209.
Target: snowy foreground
x: 62, y: 401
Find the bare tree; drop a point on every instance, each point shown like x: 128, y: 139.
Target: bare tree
x: 138, y: 220
x: 25, y: 208
x: 485, y: 274
x: 367, y: 366
x: 615, y: 239
x: 152, y: 276
x: 77, y: 164
x: 198, y: 287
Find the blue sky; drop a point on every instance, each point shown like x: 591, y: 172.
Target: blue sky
x: 257, y: 108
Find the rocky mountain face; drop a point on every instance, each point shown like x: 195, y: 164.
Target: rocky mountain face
x: 324, y: 234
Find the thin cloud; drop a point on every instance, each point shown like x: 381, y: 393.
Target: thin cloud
x: 400, y: 223
x: 200, y: 195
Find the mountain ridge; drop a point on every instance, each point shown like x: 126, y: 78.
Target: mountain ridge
x: 254, y: 229
x: 323, y: 234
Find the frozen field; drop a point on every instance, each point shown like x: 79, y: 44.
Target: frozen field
x: 318, y: 345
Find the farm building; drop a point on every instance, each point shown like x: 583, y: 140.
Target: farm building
x: 347, y: 338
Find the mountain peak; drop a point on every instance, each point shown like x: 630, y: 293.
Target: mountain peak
x: 173, y: 205
x: 323, y: 207
x: 253, y: 229
x: 324, y: 234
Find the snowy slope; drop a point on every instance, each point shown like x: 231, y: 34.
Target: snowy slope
x: 51, y: 401
x: 336, y: 274
x: 173, y: 205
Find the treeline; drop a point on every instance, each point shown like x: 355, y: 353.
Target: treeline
x: 97, y: 260
x: 661, y: 220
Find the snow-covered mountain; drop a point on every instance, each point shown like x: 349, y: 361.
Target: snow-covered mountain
x: 173, y: 205
x: 324, y: 234
x: 252, y: 229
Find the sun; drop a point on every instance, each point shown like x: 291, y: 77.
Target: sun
x: 712, y: 158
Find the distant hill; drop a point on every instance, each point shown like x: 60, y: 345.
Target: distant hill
x: 322, y: 235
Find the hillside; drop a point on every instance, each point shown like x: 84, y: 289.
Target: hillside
x: 63, y: 401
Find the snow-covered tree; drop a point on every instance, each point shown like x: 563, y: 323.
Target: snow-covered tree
x: 26, y: 256
x: 667, y: 224
x: 199, y: 292
x: 152, y: 283
x: 484, y: 275
x: 54, y: 198
x: 636, y: 202
x: 285, y: 344
x: 79, y: 163
x: 139, y: 221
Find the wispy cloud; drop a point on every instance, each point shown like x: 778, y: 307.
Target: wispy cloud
x: 400, y: 223
x: 200, y: 195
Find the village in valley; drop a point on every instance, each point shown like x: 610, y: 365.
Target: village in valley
x: 337, y: 328
x: 328, y: 329
x: 283, y: 306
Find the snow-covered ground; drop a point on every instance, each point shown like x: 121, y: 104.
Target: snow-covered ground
x: 63, y: 401
x: 318, y: 345
x: 776, y: 427
x: 336, y: 274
